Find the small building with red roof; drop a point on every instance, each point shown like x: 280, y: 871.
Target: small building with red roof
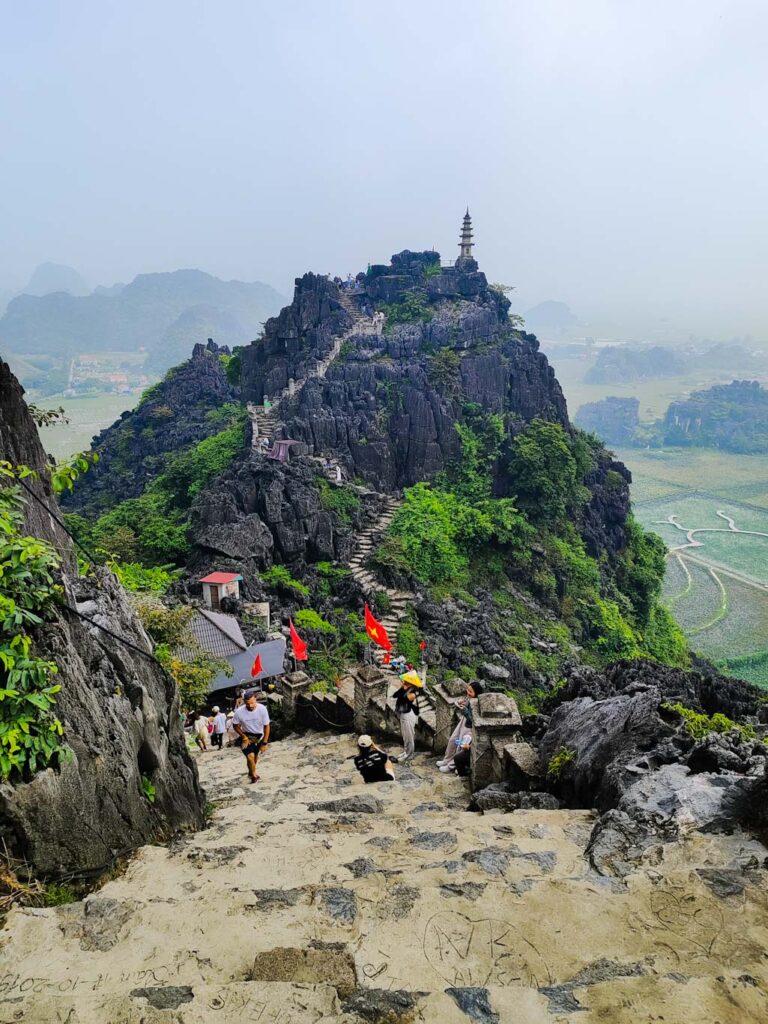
x: 218, y: 585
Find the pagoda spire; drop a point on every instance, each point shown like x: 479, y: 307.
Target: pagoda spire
x: 465, y: 242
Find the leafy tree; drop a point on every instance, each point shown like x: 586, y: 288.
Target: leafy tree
x: 640, y: 573
x: 178, y: 650
x: 612, y: 636
x: 481, y: 437
x: 310, y: 619
x: 426, y: 526
x: 544, y: 472
x: 63, y: 476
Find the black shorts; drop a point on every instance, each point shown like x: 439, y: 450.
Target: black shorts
x: 252, y: 744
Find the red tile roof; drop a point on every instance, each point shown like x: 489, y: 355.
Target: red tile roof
x: 221, y: 577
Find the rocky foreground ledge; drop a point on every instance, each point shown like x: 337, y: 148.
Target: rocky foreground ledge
x: 313, y: 897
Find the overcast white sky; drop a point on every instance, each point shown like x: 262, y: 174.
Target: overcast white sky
x: 613, y: 155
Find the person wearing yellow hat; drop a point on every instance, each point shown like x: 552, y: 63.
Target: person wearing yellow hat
x: 407, y: 709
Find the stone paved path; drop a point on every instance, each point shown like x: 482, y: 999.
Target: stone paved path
x: 313, y: 897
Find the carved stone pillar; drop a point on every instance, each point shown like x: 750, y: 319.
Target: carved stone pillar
x: 446, y: 696
x: 495, y: 723
x: 369, y: 683
x: 291, y: 686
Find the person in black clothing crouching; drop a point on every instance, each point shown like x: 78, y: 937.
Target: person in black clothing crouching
x: 372, y: 762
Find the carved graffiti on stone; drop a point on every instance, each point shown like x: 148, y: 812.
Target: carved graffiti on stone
x: 465, y: 952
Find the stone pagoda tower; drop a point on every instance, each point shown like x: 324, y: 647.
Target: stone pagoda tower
x: 466, y: 261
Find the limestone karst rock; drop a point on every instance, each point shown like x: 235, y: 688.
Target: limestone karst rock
x: 119, y: 710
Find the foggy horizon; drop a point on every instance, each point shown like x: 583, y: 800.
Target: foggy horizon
x: 612, y: 159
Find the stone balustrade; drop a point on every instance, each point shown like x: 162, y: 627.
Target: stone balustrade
x: 496, y: 723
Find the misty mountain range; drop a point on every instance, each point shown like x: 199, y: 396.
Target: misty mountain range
x: 163, y: 313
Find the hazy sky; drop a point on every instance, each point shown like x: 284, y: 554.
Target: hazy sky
x: 613, y: 155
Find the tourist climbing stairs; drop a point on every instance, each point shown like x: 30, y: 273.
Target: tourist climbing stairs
x: 312, y: 897
x: 395, y: 601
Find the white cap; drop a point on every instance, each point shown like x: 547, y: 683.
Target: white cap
x: 216, y: 708
x: 365, y: 741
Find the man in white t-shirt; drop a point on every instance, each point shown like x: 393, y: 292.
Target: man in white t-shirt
x: 219, y: 728
x: 251, y: 721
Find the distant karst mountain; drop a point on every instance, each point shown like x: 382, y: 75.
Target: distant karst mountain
x: 732, y: 416
x: 613, y: 420
x: 622, y: 365
x: 550, y: 316
x: 55, y: 277
x: 151, y: 312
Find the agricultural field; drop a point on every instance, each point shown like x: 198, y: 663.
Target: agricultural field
x: 87, y: 416
x: 657, y: 473
x: 654, y: 395
x: 717, y: 573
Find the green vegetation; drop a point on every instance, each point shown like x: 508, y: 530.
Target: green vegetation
x: 716, y: 592
x: 320, y: 686
x: 413, y: 309
x: 86, y: 416
x: 63, y: 476
x: 151, y: 529
x: 138, y: 579
x: 443, y: 371
x: 559, y: 762
x: 147, y: 788
x: 457, y: 535
x: 548, y: 468
x: 408, y: 642
x: 30, y: 733
x: 278, y: 576
x: 330, y: 577
x: 309, y: 619
x: 233, y: 366
x: 338, y: 498
x: 59, y: 894
x: 187, y: 473
x: 733, y: 417
x: 332, y: 643
x: 178, y: 651
x: 700, y: 726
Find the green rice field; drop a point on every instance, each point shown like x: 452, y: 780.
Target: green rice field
x: 87, y: 416
x: 717, y: 571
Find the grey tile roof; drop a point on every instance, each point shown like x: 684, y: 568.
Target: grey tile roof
x: 218, y: 634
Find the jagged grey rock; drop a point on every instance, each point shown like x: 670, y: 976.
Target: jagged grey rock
x: 119, y: 710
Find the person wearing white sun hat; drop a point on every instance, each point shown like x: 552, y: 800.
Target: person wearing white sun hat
x: 372, y: 762
x: 219, y: 728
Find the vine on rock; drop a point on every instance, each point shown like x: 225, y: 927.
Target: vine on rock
x: 30, y: 733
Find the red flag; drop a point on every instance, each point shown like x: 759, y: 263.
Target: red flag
x: 257, y: 669
x: 299, y: 647
x: 423, y: 645
x: 376, y: 631
x: 387, y: 658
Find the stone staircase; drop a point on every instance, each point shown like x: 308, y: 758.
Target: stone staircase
x: 312, y: 897
x: 398, y: 599
x: 264, y: 420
